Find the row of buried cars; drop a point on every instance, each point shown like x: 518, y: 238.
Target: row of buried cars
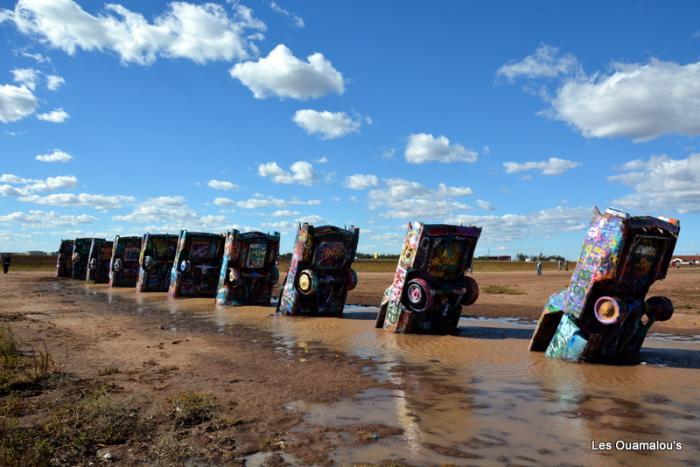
x: 601, y: 316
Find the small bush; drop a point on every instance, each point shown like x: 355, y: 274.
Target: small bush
x: 191, y: 408
x: 501, y: 289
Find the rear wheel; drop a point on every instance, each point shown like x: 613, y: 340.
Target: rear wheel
x: 117, y: 265
x: 351, y: 282
x: 93, y: 263
x: 418, y: 295
x: 659, y: 308
x: 608, y: 310
x: 471, y: 292
x: 307, y: 282
x: 185, y: 265
x: 234, y: 277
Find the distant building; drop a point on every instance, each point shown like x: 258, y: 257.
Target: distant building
x: 495, y: 258
x: 37, y: 253
x: 686, y: 259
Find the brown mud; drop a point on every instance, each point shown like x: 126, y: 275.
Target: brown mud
x: 335, y: 390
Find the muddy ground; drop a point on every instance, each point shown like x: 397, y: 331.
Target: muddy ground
x: 181, y: 388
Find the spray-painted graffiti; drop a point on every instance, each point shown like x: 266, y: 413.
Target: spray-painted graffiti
x: 320, y: 273
x: 64, y: 261
x: 430, y: 286
x: 124, y: 264
x: 98, y: 261
x: 248, y: 269
x: 156, y: 262
x: 79, y: 258
x: 603, y: 314
x: 195, y: 271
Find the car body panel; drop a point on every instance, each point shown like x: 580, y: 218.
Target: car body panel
x: 98, y: 261
x: 156, y: 262
x: 439, y: 255
x: 621, y: 257
x: 203, y: 252
x: 64, y: 261
x: 253, y: 257
x: 124, y: 265
x: 328, y: 252
x: 79, y: 258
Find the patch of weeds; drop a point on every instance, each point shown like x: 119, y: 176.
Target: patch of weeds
x: 191, y: 408
x: 18, y: 369
x: 12, y: 406
x: 501, y: 289
x: 108, y: 371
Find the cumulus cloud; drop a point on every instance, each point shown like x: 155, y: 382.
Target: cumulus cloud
x: 408, y: 200
x: 361, y: 181
x: 661, y: 184
x: 222, y: 185
x: 55, y: 156
x: 55, y: 116
x: 285, y: 213
x: 485, y: 205
x: 283, y: 75
x: 328, y: 125
x: 200, y: 33
x: 223, y: 201
x: 53, y: 82
x: 300, y: 172
x: 16, y: 103
x: 45, y: 219
x: 170, y: 210
x: 424, y: 147
x: 27, y: 77
x: 259, y: 201
x: 546, y: 62
x: 96, y: 201
x: 296, y: 20
x: 546, y: 222
x: 552, y: 166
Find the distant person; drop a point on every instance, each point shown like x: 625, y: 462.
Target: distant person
x: 538, y: 267
x: 6, y: 260
x: 561, y: 264
x: 566, y: 265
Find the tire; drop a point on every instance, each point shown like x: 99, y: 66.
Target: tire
x: 117, y: 265
x: 351, y: 281
x: 307, y: 283
x: 472, y: 291
x: 185, y: 266
x: 234, y: 277
x: 608, y: 310
x: 148, y: 262
x: 659, y: 308
x: 418, y: 295
x: 93, y: 263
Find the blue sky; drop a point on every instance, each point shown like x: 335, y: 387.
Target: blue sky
x: 516, y: 116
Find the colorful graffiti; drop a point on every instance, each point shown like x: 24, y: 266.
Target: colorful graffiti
x: 64, y: 261
x: 429, y: 286
x: 79, y: 257
x: 248, y: 269
x: 124, y: 264
x: 195, y: 271
x: 156, y: 262
x: 319, y: 275
x: 603, y: 314
x: 98, y: 261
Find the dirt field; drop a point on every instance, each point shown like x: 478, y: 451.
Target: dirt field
x: 156, y: 381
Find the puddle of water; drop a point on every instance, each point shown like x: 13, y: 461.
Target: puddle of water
x: 480, y: 396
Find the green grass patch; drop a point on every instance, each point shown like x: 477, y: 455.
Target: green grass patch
x: 191, y: 408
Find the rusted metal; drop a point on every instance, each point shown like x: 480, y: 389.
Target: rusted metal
x: 195, y: 271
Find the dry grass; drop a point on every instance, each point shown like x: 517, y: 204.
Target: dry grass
x: 500, y: 289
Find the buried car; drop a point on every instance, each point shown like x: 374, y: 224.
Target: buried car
x: 430, y: 286
x: 98, y: 261
x: 156, y: 262
x: 79, y: 258
x: 320, y: 273
x: 64, y: 261
x: 195, y: 271
x: 249, y: 268
x: 603, y: 315
x: 124, y: 264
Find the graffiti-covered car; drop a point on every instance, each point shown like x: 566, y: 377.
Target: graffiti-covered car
x: 64, y: 261
x: 195, y: 272
x: 98, y: 261
x: 79, y: 258
x: 430, y: 286
x: 602, y: 316
x: 156, y: 262
x: 320, y: 273
x: 124, y: 264
x: 249, y: 268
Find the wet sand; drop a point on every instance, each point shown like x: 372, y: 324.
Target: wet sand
x: 338, y: 390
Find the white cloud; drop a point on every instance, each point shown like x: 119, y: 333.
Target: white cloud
x: 411, y: 200
x: 12, y: 178
x: 322, y: 160
x: 546, y: 62
x: 281, y: 74
x: 285, y: 213
x: 552, y: 166
x: 200, y: 33
x: 259, y: 201
x: 297, y: 20
x: 222, y: 201
x: 661, y: 184
x: 37, y: 57
x: 636, y: 101
x: 159, y: 209
x: 45, y: 219
x: 222, y: 185
x: 96, y: 201
x: 485, y: 205
x: 361, y: 181
x: 16, y: 103
x: 26, y: 77
x: 280, y: 225
x: 55, y: 116
x: 547, y: 222
x: 424, y: 147
x: 329, y: 125
x: 56, y: 156
x: 300, y: 172
x: 53, y: 82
